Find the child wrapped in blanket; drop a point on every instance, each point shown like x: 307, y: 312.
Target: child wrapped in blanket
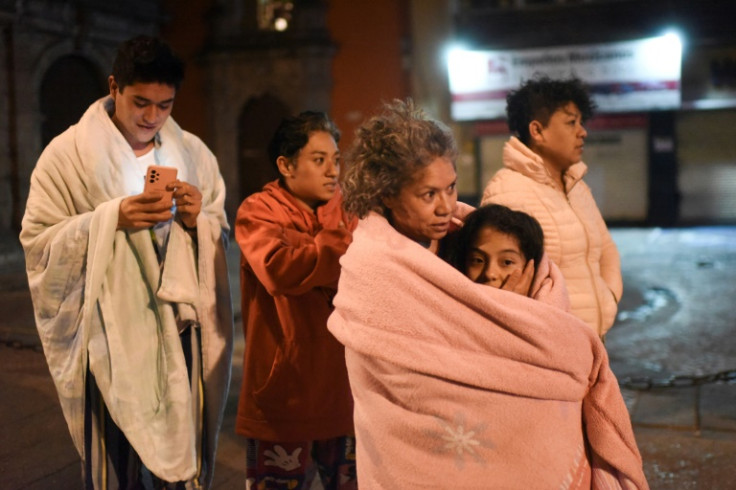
x: 495, y: 246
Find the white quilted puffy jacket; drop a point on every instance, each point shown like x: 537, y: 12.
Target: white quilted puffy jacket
x: 575, y: 236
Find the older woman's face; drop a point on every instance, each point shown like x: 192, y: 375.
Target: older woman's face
x: 424, y: 207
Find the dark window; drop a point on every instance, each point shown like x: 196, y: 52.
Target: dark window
x: 70, y: 85
x: 258, y: 122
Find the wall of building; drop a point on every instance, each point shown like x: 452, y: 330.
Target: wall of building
x: 371, y: 59
x: 676, y: 170
x: 7, y: 160
x: 250, y: 74
x: 36, y: 34
x: 354, y: 56
x: 186, y: 28
x: 707, y: 166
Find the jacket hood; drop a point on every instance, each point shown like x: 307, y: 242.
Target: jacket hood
x: 520, y: 158
x: 293, y: 207
x: 281, y: 194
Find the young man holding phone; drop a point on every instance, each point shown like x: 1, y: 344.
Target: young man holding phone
x: 129, y: 283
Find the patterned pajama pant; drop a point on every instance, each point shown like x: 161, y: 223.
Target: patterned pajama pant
x: 296, y: 465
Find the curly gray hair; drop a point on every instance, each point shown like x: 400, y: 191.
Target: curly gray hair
x: 388, y: 151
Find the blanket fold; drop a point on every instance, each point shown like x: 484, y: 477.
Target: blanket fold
x: 102, y: 301
x: 459, y: 385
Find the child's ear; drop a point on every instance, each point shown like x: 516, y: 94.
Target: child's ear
x: 286, y: 168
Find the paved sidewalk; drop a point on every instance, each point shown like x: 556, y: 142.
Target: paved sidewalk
x: 676, y: 319
x: 687, y: 435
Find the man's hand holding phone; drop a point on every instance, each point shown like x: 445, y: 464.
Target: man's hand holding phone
x: 144, y: 210
x: 155, y: 204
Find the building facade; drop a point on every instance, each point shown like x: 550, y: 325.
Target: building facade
x: 262, y: 61
x: 55, y: 57
x: 660, y: 167
x: 249, y: 64
x: 252, y: 62
x: 266, y: 59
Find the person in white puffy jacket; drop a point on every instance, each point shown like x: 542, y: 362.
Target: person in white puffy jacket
x: 542, y: 176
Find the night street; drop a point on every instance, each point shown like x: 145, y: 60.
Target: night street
x: 586, y: 114
x: 676, y: 318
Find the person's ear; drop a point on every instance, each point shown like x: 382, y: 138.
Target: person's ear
x: 535, y: 131
x: 286, y: 168
x: 113, y: 86
x: 388, y: 202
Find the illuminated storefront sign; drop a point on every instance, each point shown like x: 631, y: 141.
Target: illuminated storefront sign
x: 626, y: 76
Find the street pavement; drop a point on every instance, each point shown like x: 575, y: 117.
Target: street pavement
x: 673, y: 349
x: 676, y: 330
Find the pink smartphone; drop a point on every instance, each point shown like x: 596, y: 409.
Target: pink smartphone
x: 157, y: 177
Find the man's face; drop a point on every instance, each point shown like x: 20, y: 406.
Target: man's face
x: 140, y: 110
x: 423, y: 209
x: 561, y: 141
x: 311, y: 176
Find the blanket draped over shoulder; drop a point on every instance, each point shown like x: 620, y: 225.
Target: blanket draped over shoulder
x: 460, y: 385
x: 103, y: 303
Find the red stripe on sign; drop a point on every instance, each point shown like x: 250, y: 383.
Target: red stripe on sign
x: 606, y: 88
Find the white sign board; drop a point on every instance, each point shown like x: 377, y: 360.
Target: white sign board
x: 626, y: 76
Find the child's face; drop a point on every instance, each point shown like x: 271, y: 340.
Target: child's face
x: 312, y: 175
x: 493, y: 257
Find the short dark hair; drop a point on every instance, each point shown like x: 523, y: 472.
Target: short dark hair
x: 537, y: 99
x: 147, y: 59
x: 293, y: 134
x: 456, y: 247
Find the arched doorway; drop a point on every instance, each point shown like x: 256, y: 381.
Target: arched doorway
x: 257, y: 123
x: 69, y: 86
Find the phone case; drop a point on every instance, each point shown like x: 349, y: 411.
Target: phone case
x: 157, y: 177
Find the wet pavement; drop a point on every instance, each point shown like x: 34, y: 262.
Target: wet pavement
x: 676, y: 331
x: 673, y: 349
x: 677, y: 312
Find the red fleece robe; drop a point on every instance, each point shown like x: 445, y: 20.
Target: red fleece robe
x: 295, y: 385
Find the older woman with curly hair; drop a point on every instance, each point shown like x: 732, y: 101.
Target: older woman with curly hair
x: 403, y: 168
x: 458, y: 385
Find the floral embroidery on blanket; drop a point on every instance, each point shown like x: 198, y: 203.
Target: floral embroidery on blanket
x: 459, y: 438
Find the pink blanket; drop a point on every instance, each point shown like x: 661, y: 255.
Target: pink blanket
x: 459, y: 385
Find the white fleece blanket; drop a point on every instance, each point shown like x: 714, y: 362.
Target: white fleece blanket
x: 101, y: 300
x: 459, y: 385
